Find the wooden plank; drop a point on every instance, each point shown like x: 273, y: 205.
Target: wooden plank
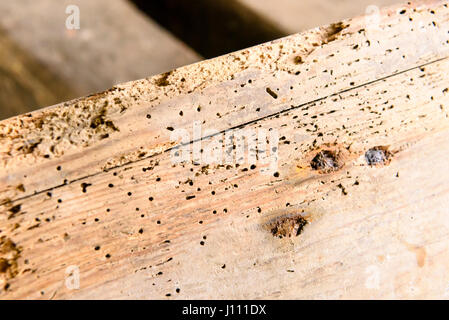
x: 109, y: 201
x: 115, y: 43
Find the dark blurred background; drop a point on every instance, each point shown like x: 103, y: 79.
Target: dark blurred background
x: 55, y: 50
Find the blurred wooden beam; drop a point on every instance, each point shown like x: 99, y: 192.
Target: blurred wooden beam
x: 115, y: 43
x: 295, y: 16
x: 25, y: 83
x: 359, y: 197
x: 212, y: 28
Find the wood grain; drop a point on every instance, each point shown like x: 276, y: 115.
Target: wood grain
x: 92, y: 184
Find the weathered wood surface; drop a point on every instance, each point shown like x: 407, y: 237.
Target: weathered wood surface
x: 115, y: 42
x: 90, y: 183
